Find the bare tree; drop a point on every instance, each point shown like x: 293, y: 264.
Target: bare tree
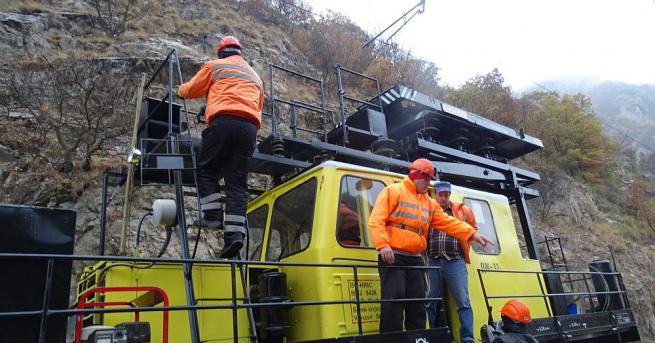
x: 114, y: 15
x: 79, y: 108
x: 551, y: 190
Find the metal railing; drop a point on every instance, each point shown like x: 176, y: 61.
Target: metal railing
x: 343, y: 96
x: 545, y: 295
x: 294, y: 105
x: 246, y: 304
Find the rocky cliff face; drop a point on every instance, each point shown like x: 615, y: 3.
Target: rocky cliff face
x: 587, y: 233
x: 31, y: 31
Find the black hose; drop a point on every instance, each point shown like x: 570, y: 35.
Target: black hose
x: 195, y: 245
x: 138, y: 229
x: 169, y: 233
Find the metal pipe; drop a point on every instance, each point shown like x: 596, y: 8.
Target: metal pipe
x: 72, y: 312
x: 246, y: 294
x: 184, y: 246
x: 272, y: 101
x: 550, y: 295
x: 103, y: 209
x: 486, y: 298
x: 589, y: 297
x: 513, y: 271
x: 294, y: 129
x: 357, y: 73
x: 294, y: 72
x: 359, y: 307
x: 524, y: 215
x: 193, y: 157
x: 170, y: 94
x: 46, y: 301
x: 363, y: 102
x: 550, y: 253
x: 103, y: 214
x: 342, y: 109
x: 297, y: 103
x: 235, y: 319
x: 541, y: 287
x: 379, y: 96
x: 4, y: 256
x: 325, y: 134
x: 163, y: 63
x: 421, y: 3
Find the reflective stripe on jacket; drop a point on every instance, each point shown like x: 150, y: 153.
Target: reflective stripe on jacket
x: 401, y: 219
x: 231, y: 87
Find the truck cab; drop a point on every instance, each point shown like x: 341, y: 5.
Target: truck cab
x: 322, y: 216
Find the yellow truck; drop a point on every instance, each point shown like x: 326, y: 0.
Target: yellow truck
x: 309, y: 272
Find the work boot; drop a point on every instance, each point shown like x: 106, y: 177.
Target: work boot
x: 212, y: 224
x: 233, y: 243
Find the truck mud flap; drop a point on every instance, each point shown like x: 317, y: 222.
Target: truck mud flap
x: 439, y: 335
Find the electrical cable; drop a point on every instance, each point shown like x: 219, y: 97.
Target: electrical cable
x: 199, y: 232
x: 138, y: 231
x: 167, y: 240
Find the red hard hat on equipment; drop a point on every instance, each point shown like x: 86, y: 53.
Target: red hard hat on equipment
x: 228, y: 41
x: 516, y: 310
x: 424, y: 166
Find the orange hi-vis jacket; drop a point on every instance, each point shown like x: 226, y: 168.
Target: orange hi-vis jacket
x: 231, y: 86
x: 464, y: 213
x: 401, y: 219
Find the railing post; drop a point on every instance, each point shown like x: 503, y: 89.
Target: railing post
x: 103, y: 215
x: 235, y: 319
x: 541, y: 287
x: 46, y: 301
x: 342, y: 108
x: 272, y: 101
x: 486, y: 298
x: 358, y: 303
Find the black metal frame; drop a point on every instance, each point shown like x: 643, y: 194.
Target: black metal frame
x: 293, y: 104
x: 45, y: 312
x: 172, y: 143
x: 558, y: 328
x: 343, y: 97
x: 103, y: 211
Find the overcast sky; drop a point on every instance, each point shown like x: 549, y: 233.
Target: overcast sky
x: 528, y: 40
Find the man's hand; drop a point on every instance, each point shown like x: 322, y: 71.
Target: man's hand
x: 387, y: 255
x: 481, y: 239
x: 178, y: 95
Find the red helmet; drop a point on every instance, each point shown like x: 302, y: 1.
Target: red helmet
x: 228, y: 42
x: 424, y: 166
x: 516, y: 310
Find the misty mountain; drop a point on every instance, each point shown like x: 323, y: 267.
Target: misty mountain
x: 627, y: 110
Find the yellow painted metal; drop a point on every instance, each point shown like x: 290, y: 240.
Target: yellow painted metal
x: 211, y: 282
x: 335, y: 282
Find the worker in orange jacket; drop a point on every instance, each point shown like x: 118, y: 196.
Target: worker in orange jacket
x: 451, y: 255
x: 399, y: 226
x: 233, y: 114
x: 348, y: 226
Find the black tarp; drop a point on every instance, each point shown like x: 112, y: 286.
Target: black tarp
x: 34, y: 230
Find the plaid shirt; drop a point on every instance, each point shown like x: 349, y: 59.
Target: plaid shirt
x: 443, y: 245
